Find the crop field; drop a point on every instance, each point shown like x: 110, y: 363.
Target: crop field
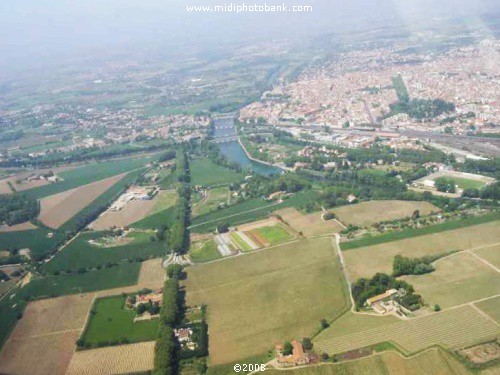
x: 366, y: 261
x: 310, y: 224
x: 121, y: 359
x: 43, y: 340
x: 18, y: 227
x: 248, y: 211
x: 415, y: 232
x: 262, y: 298
x: 47, y: 316
x: 19, y: 182
x: 157, y: 220
x: 458, y: 279
x: 491, y: 307
x: 88, y: 174
x: 110, y: 321
x: 214, y: 197
x: 57, y: 209
x: 37, y: 240
x: 206, y: 173
x: 152, y: 271
x: 79, y: 253
x: 458, y: 327
x: 432, y: 361
x: 368, y: 213
x: 39, y: 355
x: 204, y: 251
x: 490, y: 253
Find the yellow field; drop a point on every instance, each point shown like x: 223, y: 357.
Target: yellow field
x: 458, y: 279
x: 56, y: 209
x: 257, y: 300
x: 458, y: 327
x: 368, y: 213
x: 432, y: 361
x: 366, y: 261
x: 311, y: 224
x: 490, y: 254
x: 491, y: 307
x: 152, y: 271
x: 122, y: 359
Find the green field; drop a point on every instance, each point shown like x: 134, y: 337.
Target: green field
x: 111, y: 322
x: 13, y: 304
x: 458, y: 279
x: 204, y: 172
x: 466, y: 183
x: 262, y: 298
x: 240, y: 243
x: 215, y: 197
x: 79, y: 253
x: 248, y: 211
x: 491, y: 307
x: 273, y: 234
x: 204, y: 251
x: 164, y: 201
x: 409, y: 233
x: 433, y: 361
x: 90, y: 173
x: 157, y: 220
x: 459, y: 327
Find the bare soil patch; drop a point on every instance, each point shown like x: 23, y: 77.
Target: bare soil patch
x: 41, y: 355
x: 482, y: 353
x: 258, y: 224
x: 122, y: 359
x: 59, y: 208
x: 310, y: 224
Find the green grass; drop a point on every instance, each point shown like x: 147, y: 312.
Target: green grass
x: 80, y: 254
x: 408, y: 233
x: 205, y: 172
x: 14, y: 303
x: 87, y: 174
x: 201, y: 252
x: 274, y: 234
x: 216, y: 196
x: 238, y: 214
x: 155, y: 221
x: 262, y: 298
x: 466, y: 183
x: 165, y: 200
x: 240, y: 242
x: 110, y: 321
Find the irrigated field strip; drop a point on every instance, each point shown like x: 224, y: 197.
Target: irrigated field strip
x: 462, y: 326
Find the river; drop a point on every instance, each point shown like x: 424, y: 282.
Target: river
x: 232, y: 150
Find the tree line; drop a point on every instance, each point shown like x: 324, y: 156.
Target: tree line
x: 17, y: 208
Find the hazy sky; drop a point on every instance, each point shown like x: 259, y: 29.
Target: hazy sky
x: 32, y: 31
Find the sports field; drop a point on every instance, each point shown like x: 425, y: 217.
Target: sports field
x: 458, y: 327
x: 368, y: 213
x: 121, y: 359
x: 206, y: 173
x: 432, y: 361
x: 111, y: 322
x: 366, y: 261
x: 458, y: 279
x: 262, y: 298
x: 309, y: 224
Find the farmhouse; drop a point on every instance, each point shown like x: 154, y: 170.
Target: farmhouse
x: 185, y: 337
x: 297, y: 358
x: 381, y: 297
